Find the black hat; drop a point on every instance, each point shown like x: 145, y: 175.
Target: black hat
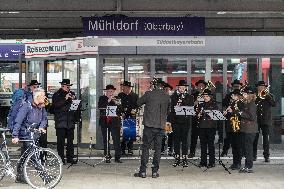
x: 236, y: 92
x: 34, y: 82
x: 200, y: 81
x: 248, y: 89
x: 182, y: 83
x: 66, y: 82
x: 261, y: 83
x: 126, y: 83
x: 236, y: 82
x: 110, y: 87
x: 167, y: 85
x: 207, y: 92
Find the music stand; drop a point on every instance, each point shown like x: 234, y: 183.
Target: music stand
x: 217, y: 115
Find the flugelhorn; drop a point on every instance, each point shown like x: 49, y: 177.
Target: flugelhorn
x: 263, y: 93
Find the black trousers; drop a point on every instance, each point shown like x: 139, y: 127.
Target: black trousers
x: 227, y: 142
x: 61, y: 135
x: 207, y: 137
x: 170, y: 142
x: 150, y: 135
x: 180, y: 138
x: 125, y: 143
x: 115, y: 133
x: 194, y: 137
x: 247, y: 148
x: 236, y: 141
x: 265, y: 134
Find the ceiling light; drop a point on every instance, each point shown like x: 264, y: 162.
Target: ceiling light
x: 9, y: 12
x: 221, y: 12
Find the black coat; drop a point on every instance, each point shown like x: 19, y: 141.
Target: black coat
x: 128, y: 102
x: 102, y: 105
x: 205, y: 120
x: 62, y: 116
x: 186, y: 100
x: 264, y: 109
x: 248, y: 118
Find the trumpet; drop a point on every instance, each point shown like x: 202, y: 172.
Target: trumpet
x: 117, y: 101
x: 263, y: 93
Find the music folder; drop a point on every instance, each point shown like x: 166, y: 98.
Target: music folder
x: 215, y: 115
x: 111, y: 111
x: 75, y: 104
x: 184, y: 110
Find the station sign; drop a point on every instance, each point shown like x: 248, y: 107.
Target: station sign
x: 57, y: 48
x: 143, y: 26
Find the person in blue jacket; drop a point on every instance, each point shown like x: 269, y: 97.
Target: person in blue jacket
x: 31, y: 114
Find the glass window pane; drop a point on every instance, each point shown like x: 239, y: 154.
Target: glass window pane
x: 171, y: 70
x: 139, y: 74
x: 88, y: 96
x: 113, y: 71
x: 237, y: 69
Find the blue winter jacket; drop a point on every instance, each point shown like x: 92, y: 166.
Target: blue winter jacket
x: 29, y: 115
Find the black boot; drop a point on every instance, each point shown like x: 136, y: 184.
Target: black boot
x: 177, y: 160
x: 184, y: 161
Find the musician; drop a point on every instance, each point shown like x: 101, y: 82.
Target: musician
x: 129, y: 106
x: 200, y: 84
x: 157, y: 107
x: 110, y: 124
x: 180, y: 123
x: 169, y: 136
x: 236, y: 84
x: 232, y: 114
x: 64, y: 120
x: 264, y: 103
x: 207, y: 129
x: 248, y: 128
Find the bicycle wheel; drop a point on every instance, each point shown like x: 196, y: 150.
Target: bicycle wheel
x: 2, y: 165
x: 43, y: 168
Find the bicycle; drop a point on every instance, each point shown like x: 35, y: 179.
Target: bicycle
x: 42, y: 168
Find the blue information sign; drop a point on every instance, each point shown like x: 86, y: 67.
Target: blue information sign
x: 11, y: 51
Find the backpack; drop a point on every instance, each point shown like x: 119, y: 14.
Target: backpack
x: 19, y: 97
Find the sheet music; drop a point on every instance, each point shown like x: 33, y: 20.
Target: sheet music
x: 111, y: 111
x: 184, y: 110
x: 215, y: 114
x: 74, y: 106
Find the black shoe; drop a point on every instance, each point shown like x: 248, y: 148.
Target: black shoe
x: 155, y: 175
x: 202, y: 165
x: 130, y: 152
x: 211, y: 165
x: 108, y: 160
x: 140, y: 174
x: 177, y: 161
x: 72, y: 161
x: 267, y: 159
x: 184, y: 161
x: 191, y: 155
x: 117, y: 160
x: 243, y: 170
x: 235, y: 166
x: 21, y: 179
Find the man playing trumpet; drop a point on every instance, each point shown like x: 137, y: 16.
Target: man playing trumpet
x: 264, y: 102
